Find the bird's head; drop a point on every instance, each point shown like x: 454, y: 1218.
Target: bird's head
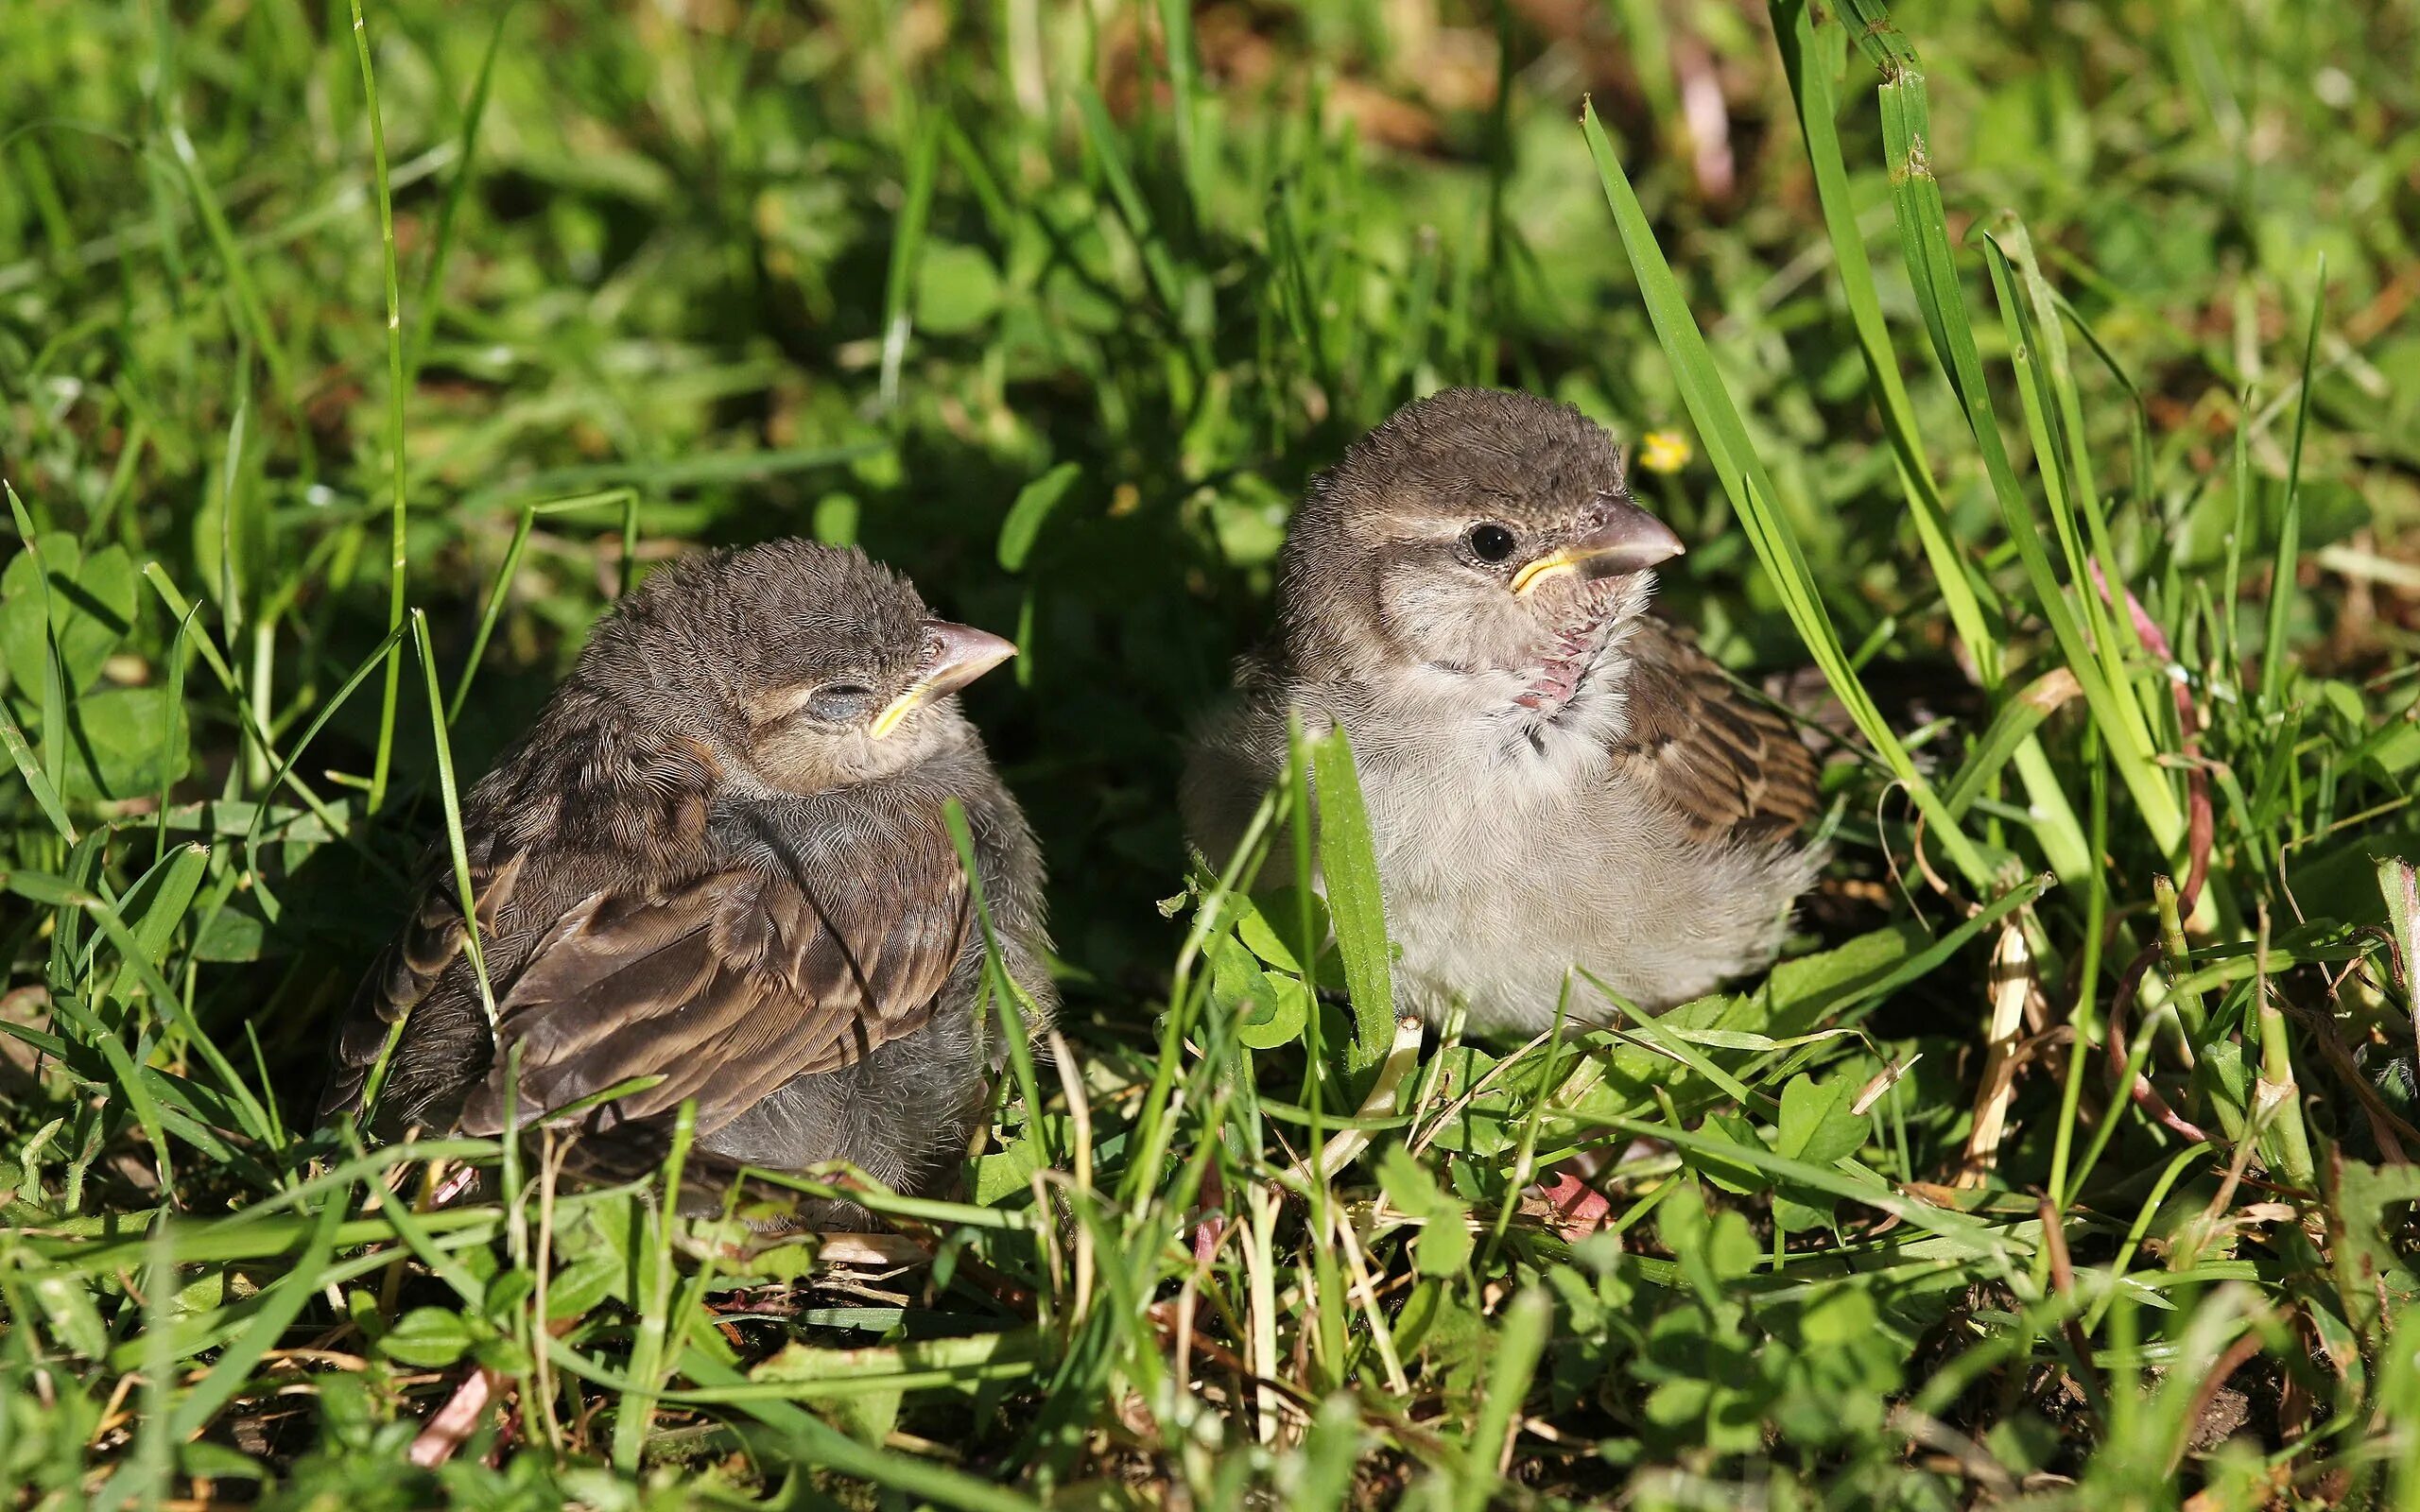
x: 1475, y: 533
x: 803, y: 667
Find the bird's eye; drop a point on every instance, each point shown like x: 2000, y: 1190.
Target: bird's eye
x: 1490, y: 542
x: 841, y: 703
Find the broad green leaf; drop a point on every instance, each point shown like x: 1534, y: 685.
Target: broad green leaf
x: 1487, y: 1125
x: 1816, y: 1124
x: 429, y: 1337
x: 1272, y: 926
x: 2375, y: 1276
x: 235, y: 932
x: 92, y: 608
x: 869, y: 1415
x: 585, y: 1283
x: 1349, y: 868
x: 1444, y: 1245
x: 1034, y: 505
x: 957, y: 288
x: 506, y: 1291
x: 1713, y: 1248
x: 1281, y: 1022
x: 124, y: 742
x: 1816, y: 1127
x: 1239, y: 988
x: 2340, y: 879
x: 1005, y: 1174
x: 1734, y: 1177
x: 502, y: 1355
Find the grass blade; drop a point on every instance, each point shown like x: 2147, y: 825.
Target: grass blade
x: 432, y: 279
x: 398, y: 506
x: 456, y: 846
x: 2275, y: 655
x: 1811, y: 51
x: 1349, y: 866
x: 37, y: 782
x: 52, y: 705
x: 235, y: 1365
x: 1753, y: 495
x: 1925, y: 236
x: 906, y: 254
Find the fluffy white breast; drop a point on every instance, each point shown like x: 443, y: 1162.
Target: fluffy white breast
x: 1510, y: 852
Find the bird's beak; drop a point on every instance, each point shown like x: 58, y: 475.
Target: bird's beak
x: 1628, y: 539
x: 965, y: 654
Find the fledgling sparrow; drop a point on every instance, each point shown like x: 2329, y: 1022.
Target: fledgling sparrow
x: 1553, y: 779
x: 720, y: 856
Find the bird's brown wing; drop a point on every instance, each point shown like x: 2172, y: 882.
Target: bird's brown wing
x: 728, y: 986
x: 1730, y: 767
x: 408, y: 970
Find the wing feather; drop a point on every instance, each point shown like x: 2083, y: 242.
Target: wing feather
x: 730, y: 984
x: 408, y: 970
x: 1730, y: 767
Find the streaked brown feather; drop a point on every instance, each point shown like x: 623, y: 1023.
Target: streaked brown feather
x: 412, y: 964
x: 1730, y: 767
x: 409, y: 968
x: 729, y: 986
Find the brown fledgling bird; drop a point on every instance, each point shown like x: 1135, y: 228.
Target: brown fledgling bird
x: 720, y: 857
x: 1553, y: 779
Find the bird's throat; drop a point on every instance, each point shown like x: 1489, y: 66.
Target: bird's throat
x: 1572, y: 652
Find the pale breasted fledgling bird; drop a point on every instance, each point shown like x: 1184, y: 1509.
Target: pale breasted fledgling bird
x: 721, y: 857
x: 1553, y: 779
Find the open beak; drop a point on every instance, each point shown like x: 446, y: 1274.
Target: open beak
x: 965, y: 654
x: 1628, y: 539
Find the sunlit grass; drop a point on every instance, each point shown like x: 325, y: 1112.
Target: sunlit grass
x: 2056, y: 372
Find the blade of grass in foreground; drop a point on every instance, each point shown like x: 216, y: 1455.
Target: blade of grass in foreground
x: 654, y: 1337
x: 1924, y: 233
x: 1349, y: 866
x: 386, y: 198
x: 627, y: 497
x: 818, y: 1444
x: 30, y: 768
x: 2274, y: 659
x: 2063, y: 489
x: 432, y: 279
x: 907, y: 252
x: 1008, y: 1002
x: 1752, y: 497
x: 456, y: 845
x: 1813, y: 51
x: 284, y: 1303
x: 2049, y: 315
x: 52, y: 710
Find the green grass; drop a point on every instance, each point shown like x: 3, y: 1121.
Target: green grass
x: 329, y: 430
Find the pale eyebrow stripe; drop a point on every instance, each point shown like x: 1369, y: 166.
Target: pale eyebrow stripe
x: 1443, y: 527
x: 780, y: 703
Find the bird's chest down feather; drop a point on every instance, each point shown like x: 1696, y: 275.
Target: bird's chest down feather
x: 1503, y: 872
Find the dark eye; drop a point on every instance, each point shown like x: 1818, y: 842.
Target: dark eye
x: 840, y: 703
x: 1490, y: 541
